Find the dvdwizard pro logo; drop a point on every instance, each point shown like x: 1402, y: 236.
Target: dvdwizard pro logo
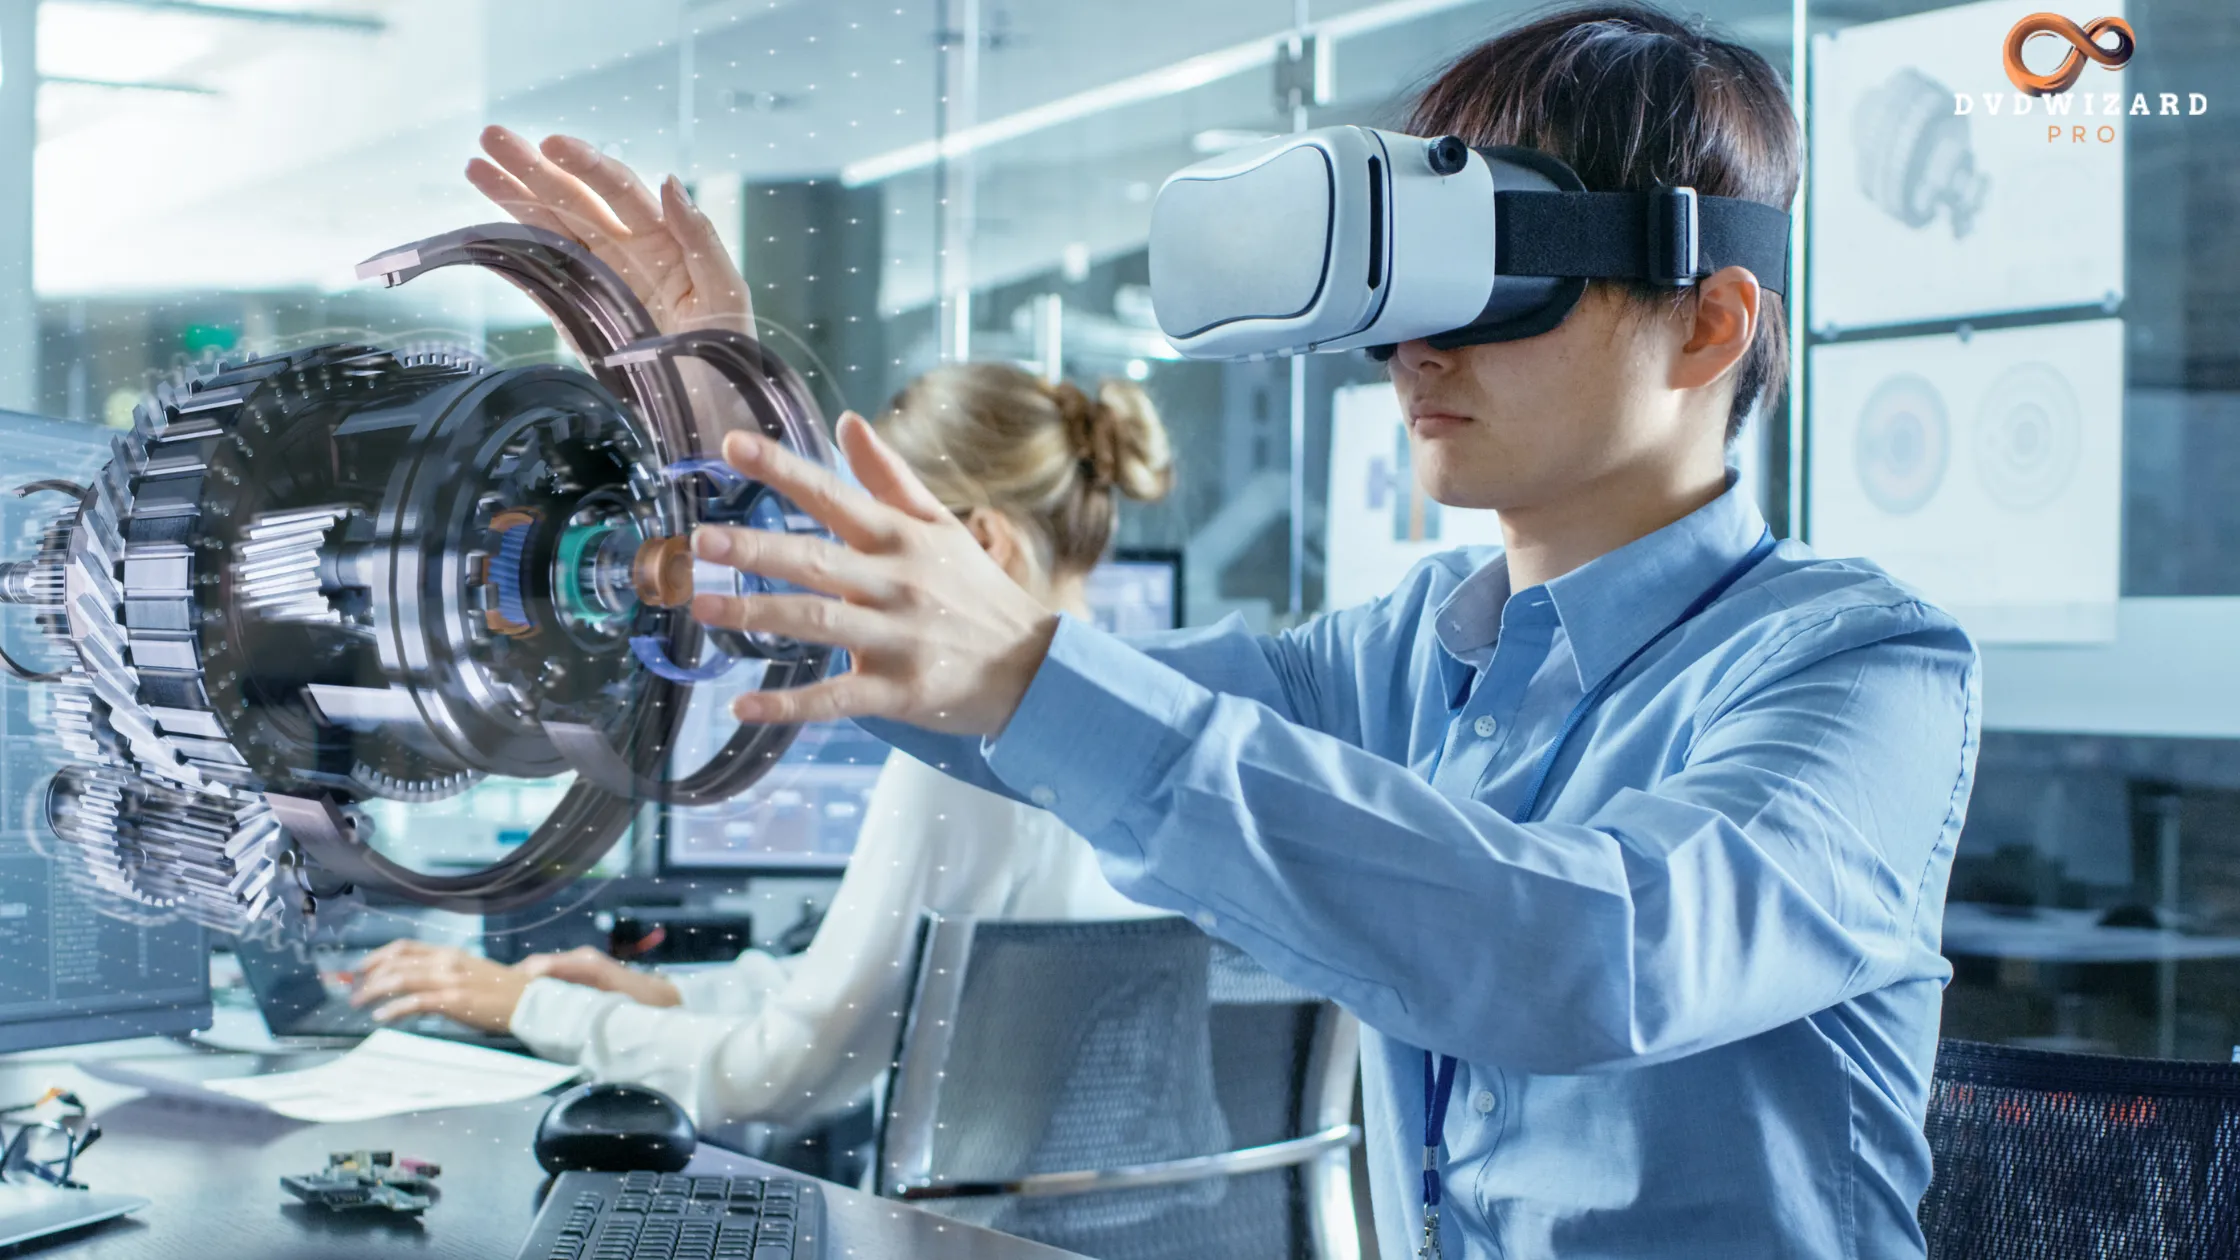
x: 2084, y: 43
x: 2055, y: 95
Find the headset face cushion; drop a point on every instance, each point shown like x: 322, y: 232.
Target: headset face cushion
x: 1561, y: 299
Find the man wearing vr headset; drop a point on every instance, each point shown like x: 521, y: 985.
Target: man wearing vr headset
x: 1630, y: 839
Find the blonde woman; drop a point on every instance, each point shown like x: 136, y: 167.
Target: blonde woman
x: 1036, y: 472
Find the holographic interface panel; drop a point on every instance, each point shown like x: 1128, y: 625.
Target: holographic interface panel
x: 343, y: 573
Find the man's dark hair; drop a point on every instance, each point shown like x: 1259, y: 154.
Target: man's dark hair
x: 1633, y: 98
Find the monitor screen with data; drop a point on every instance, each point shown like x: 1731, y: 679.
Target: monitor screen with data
x: 67, y: 974
x: 1137, y: 591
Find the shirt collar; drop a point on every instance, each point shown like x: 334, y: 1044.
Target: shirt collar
x: 1469, y: 619
x: 1617, y: 602
x: 1467, y: 622
x: 1611, y: 605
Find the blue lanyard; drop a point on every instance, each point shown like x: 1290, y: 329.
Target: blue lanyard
x: 1438, y: 1071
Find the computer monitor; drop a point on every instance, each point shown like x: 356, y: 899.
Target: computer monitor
x: 800, y: 818
x: 477, y: 827
x: 803, y: 816
x: 68, y: 973
x: 1138, y: 591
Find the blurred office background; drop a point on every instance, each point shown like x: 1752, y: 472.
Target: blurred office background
x: 927, y: 179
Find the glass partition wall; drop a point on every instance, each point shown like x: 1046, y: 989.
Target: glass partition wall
x: 2017, y: 360
x: 2023, y: 326
x: 2024, y: 312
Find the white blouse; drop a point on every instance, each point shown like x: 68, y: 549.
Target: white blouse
x: 784, y: 1040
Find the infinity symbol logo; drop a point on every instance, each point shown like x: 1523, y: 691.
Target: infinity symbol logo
x: 2084, y: 41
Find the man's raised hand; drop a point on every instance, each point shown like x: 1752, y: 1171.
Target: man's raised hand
x: 939, y: 635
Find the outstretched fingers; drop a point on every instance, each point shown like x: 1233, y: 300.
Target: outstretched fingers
x: 513, y: 196
x: 859, y: 520
x: 802, y: 618
x: 818, y: 564
x: 883, y: 473
x: 586, y: 216
x: 715, y: 281
x: 849, y: 695
x: 614, y: 182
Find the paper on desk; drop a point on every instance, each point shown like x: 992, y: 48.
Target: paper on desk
x: 391, y: 1072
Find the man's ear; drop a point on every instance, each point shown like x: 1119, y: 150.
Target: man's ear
x: 1722, y: 319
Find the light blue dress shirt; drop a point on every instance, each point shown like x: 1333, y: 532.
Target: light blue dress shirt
x: 1695, y: 1001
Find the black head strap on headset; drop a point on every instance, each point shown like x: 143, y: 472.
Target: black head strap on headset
x: 1670, y: 237
x: 1667, y: 236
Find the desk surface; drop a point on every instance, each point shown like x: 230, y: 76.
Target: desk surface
x: 213, y: 1174
x: 2054, y: 935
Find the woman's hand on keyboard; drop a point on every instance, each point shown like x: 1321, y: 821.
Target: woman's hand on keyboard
x: 415, y: 978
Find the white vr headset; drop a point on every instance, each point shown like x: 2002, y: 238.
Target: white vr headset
x: 1348, y: 236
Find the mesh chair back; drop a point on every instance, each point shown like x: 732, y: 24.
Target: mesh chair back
x: 1266, y: 1035
x: 2041, y: 1155
x: 1097, y: 1046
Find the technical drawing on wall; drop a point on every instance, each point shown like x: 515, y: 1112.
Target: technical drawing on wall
x: 2028, y: 436
x: 2008, y: 442
x: 1903, y: 444
x: 1915, y: 158
x: 1936, y: 193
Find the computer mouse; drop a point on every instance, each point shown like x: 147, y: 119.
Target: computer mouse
x: 610, y: 1127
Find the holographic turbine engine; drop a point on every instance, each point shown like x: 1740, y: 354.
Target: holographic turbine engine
x: 311, y: 580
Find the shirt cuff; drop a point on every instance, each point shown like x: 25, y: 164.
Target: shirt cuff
x: 555, y: 1019
x: 1097, y: 721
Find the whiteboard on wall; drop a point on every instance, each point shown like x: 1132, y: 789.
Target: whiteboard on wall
x: 1920, y: 213
x: 1985, y: 470
x: 1379, y: 521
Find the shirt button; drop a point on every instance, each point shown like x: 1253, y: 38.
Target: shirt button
x: 1485, y: 727
x: 1043, y: 796
x: 1483, y: 1102
x: 1206, y: 920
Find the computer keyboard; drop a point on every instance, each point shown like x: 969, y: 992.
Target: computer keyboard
x: 669, y: 1216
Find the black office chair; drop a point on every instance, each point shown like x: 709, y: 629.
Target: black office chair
x: 1130, y: 1090
x: 2040, y: 1156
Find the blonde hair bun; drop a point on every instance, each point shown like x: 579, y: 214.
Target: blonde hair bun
x: 1128, y: 444
x: 1051, y: 457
